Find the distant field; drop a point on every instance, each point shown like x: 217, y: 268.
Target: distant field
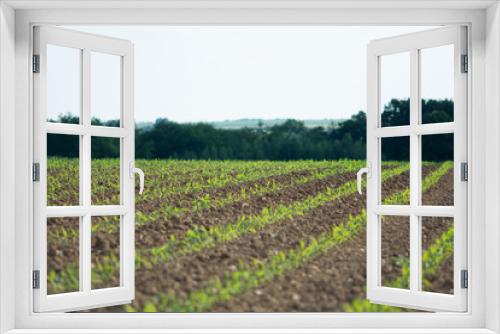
x: 248, y: 236
x: 255, y: 123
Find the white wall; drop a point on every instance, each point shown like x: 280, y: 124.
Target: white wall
x: 6, y: 167
x: 492, y: 188
x: 7, y: 176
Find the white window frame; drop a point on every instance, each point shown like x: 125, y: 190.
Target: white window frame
x: 86, y: 297
x: 15, y: 163
x: 412, y: 44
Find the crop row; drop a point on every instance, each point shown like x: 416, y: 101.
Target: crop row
x: 161, y: 183
x: 432, y: 259
x: 164, y: 178
x: 258, y: 272
x: 209, y: 202
x: 165, y: 211
x: 199, y: 238
x: 167, y: 185
x: 252, y: 275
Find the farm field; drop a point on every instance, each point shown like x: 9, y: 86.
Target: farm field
x: 248, y: 236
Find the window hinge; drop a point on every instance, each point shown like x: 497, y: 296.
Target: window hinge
x: 36, y: 279
x: 36, y: 172
x: 464, y: 171
x: 464, y: 279
x: 465, y: 63
x: 36, y: 63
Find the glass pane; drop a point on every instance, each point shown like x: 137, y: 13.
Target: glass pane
x: 437, y: 75
x: 105, y: 171
x: 64, y: 84
x: 395, y: 151
x: 395, y: 248
x: 106, y: 89
x: 63, y: 254
x: 437, y: 254
x: 63, y: 170
x: 437, y: 169
x: 395, y: 89
x: 105, y: 252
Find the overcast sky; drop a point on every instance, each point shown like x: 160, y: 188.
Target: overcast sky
x: 190, y: 74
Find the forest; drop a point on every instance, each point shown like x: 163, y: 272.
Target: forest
x: 291, y: 140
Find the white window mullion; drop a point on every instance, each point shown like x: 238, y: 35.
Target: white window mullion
x: 86, y: 185
x: 80, y: 211
x: 78, y: 129
x: 372, y: 188
x: 85, y: 253
x: 421, y: 211
x: 101, y: 131
x: 127, y: 222
x: 420, y: 129
x: 415, y: 163
x: 415, y: 253
x: 85, y: 228
x: 65, y: 128
x: 86, y: 88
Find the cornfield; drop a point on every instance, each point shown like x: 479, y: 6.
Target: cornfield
x: 248, y: 236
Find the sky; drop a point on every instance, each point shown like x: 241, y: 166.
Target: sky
x: 214, y: 73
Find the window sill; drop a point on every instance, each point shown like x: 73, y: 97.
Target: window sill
x: 253, y: 331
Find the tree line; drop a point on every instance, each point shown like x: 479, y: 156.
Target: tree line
x: 290, y: 140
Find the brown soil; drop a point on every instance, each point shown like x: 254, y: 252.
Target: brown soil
x: 441, y: 193
x: 394, y: 228
x: 105, y: 244
x: 184, y: 177
x: 158, y: 233
x: 324, y: 284
x: 320, y: 286
x: 442, y: 281
x: 62, y: 251
x: 188, y: 273
x: 185, y: 199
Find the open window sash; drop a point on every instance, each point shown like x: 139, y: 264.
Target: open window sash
x: 414, y: 296
x: 85, y: 295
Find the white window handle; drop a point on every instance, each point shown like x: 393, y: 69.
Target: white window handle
x: 134, y: 170
x: 362, y: 171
